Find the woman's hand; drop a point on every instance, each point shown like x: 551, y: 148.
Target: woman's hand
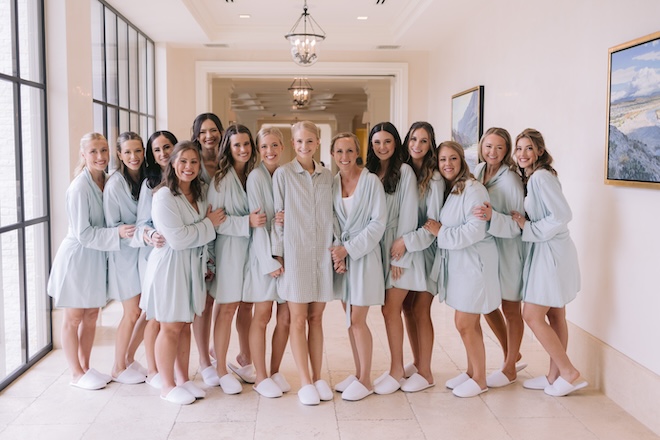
x: 279, y: 218
x: 277, y: 273
x: 257, y: 220
x: 338, y: 253
x: 281, y: 261
x: 432, y: 226
x: 126, y: 231
x: 518, y: 218
x: 340, y: 266
x: 398, y: 249
x: 483, y: 212
x: 157, y: 240
x: 396, y: 272
x: 217, y: 217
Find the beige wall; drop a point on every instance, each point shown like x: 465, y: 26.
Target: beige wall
x: 547, y: 69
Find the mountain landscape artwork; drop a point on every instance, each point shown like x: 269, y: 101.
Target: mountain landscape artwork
x: 633, y: 145
x: 467, y: 122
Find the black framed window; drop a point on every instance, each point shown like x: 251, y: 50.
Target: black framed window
x: 123, y: 76
x: 25, y: 313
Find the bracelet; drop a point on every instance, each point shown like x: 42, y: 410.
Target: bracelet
x: 151, y: 233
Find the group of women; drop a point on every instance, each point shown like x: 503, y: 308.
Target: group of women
x: 212, y: 229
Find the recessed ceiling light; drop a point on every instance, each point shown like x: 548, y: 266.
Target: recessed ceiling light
x: 362, y: 17
x: 244, y: 16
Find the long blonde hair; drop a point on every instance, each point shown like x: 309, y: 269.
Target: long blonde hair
x: 544, y: 160
x: 508, y: 155
x: 458, y: 184
x: 84, y: 141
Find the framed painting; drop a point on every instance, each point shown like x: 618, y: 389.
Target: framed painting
x: 632, y: 156
x: 467, y: 126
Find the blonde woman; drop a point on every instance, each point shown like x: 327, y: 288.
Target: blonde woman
x: 79, y: 276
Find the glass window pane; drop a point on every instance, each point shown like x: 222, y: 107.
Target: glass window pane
x: 142, y: 61
x: 143, y: 127
x: 111, y: 56
x: 99, y: 119
x: 29, y: 45
x: 124, y: 123
x: 98, y: 56
x: 5, y: 38
x: 33, y: 147
x: 152, y: 126
x: 122, y: 46
x: 112, y: 135
x: 10, y: 304
x: 133, y: 67
x: 36, y: 270
x: 135, y: 122
x: 151, y: 101
x: 8, y: 195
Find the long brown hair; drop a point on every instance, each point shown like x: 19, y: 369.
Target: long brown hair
x: 508, y: 155
x: 393, y: 171
x: 458, y: 184
x: 430, y: 162
x: 225, y: 159
x: 544, y: 160
x: 132, y: 184
x: 171, y: 181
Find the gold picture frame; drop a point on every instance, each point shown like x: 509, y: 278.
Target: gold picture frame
x: 632, y: 153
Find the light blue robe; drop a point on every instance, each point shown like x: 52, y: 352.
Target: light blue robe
x: 402, y: 212
x: 306, y: 236
x: 174, y: 280
x: 466, y: 262
x: 420, y: 240
x: 506, y: 193
x: 360, y: 232
x: 551, y: 274
x: 120, y: 208
x: 143, y: 223
x: 232, y: 239
x: 259, y: 285
x: 78, y: 277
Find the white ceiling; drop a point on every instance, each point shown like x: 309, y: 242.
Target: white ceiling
x: 195, y: 23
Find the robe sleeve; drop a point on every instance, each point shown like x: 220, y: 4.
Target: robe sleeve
x: 408, y: 208
x: 92, y: 237
x: 234, y: 225
x: 179, y: 236
x: 502, y: 224
x: 364, y: 242
x: 260, y: 236
x: 472, y: 230
x: 547, y: 191
x: 112, y: 205
x: 277, y: 232
x: 143, y: 222
x: 420, y: 239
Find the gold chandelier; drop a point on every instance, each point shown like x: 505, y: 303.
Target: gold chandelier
x: 301, y: 90
x: 304, y: 38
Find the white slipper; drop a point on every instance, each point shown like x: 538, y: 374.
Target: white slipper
x: 308, y: 395
x: 156, y: 381
x: 341, y: 386
x: 561, y: 387
x: 520, y: 366
x: 409, y: 369
x: 246, y: 373
x: 469, y: 388
x: 268, y: 388
x: 210, y: 376
x: 356, y: 391
x: 230, y: 385
x: 457, y: 380
x: 537, y: 383
x: 89, y: 381
x: 381, y: 377
x: 281, y: 382
x: 135, y: 365
x: 415, y: 383
x: 498, y: 379
x: 388, y: 385
x: 193, y: 389
x: 106, y: 377
x: 180, y: 396
x: 130, y: 377
x: 324, y: 390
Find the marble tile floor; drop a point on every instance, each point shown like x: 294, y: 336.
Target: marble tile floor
x: 42, y: 405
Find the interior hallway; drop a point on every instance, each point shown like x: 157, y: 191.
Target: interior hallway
x: 41, y: 404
